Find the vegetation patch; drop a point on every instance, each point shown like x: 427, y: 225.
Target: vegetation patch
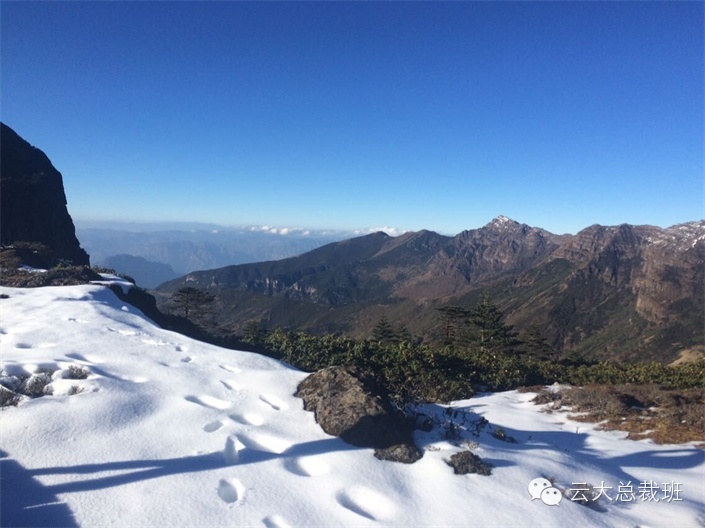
x: 666, y: 416
x: 38, y: 384
x: 466, y: 462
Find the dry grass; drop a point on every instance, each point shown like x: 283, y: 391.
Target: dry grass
x: 644, y: 411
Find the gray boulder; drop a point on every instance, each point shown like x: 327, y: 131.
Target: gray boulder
x: 348, y: 404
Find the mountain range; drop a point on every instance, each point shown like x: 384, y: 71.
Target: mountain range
x: 609, y: 292
x: 158, y: 252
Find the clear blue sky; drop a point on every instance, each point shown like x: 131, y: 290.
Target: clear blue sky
x: 343, y: 115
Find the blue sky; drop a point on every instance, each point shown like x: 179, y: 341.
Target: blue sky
x: 347, y: 115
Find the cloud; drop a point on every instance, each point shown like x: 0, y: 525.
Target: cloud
x: 391, y: 231
x: 337, y: 233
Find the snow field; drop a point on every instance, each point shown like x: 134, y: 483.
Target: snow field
x: 170, y: 431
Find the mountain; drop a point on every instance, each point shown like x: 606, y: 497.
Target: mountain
x: 190, y: 247
x: 147, y: 274
x: 622, y: 292
x: 32, y: 200
x: 140, y: 426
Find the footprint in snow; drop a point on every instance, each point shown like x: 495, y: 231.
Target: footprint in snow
x: 213, y: 426
x: 247, y: 418
x: 234, y: 370
x: 136, y: 379
x: 209, y: 401
x: 307, y: 466
x: 78, y: 357
x: 275, y: 521
x: 274, y: 402
x: 231, y: 491
x: 366, y: 503
x: 23, y: 346
x: 187, y: 359
x: 264, y: 442
x: 231, y: 451
x: 230, y: 385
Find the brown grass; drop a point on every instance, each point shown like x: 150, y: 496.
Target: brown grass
x: 644, y: 411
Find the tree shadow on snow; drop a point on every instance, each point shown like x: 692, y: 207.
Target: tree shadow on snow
x: 141, y: 470
x: 24, y: 501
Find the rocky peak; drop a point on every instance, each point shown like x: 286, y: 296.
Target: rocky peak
x: 33, y: 202
x: 502, y: 246
x: 502, y: 222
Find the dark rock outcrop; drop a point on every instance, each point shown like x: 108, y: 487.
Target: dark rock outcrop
x: 33, y: 202
x: 466, y: 462
x: 349, y: 405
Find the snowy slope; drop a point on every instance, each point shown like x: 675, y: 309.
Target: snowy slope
x: 168, y: 431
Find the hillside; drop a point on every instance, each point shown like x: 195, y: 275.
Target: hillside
x: 163, y: 430
x: 622, y: 292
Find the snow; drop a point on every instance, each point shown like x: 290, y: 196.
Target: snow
x: 169, y: 431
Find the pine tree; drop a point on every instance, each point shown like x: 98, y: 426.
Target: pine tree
x: 454, y: 318
x: 254, y: 332
x: 489, y: 332
x: 193, y: 303
x: 537, y: 346
x: 403, y: 335
x: 383, y: 332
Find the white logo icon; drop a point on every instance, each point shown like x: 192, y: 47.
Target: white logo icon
x: 541, y: 488
x: 536, y: 486
x: 551, y: 496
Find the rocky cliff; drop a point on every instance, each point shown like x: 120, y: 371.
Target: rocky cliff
x: 33, y: 202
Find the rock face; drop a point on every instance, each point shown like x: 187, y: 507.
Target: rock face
x: 347, y: 404
x: 33, y: 202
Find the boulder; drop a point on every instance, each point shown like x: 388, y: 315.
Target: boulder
x: 348, y: 404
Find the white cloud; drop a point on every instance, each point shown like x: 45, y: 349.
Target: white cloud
x: 391, y: 231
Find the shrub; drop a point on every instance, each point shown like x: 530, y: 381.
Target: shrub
x: 37, y: 385
x: 77, y: 373
x: 467, y: 462
x: 8, y: 398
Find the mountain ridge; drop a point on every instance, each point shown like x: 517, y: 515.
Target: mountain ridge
x: 623, y: 292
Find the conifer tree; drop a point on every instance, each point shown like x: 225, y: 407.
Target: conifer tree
x: 254, y: 332
x: 537, y: 346
x: 403, y: 335
x: 454, y: 318
x: 489, y: 332
x: 383, y: 331
x: 193, y: 303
